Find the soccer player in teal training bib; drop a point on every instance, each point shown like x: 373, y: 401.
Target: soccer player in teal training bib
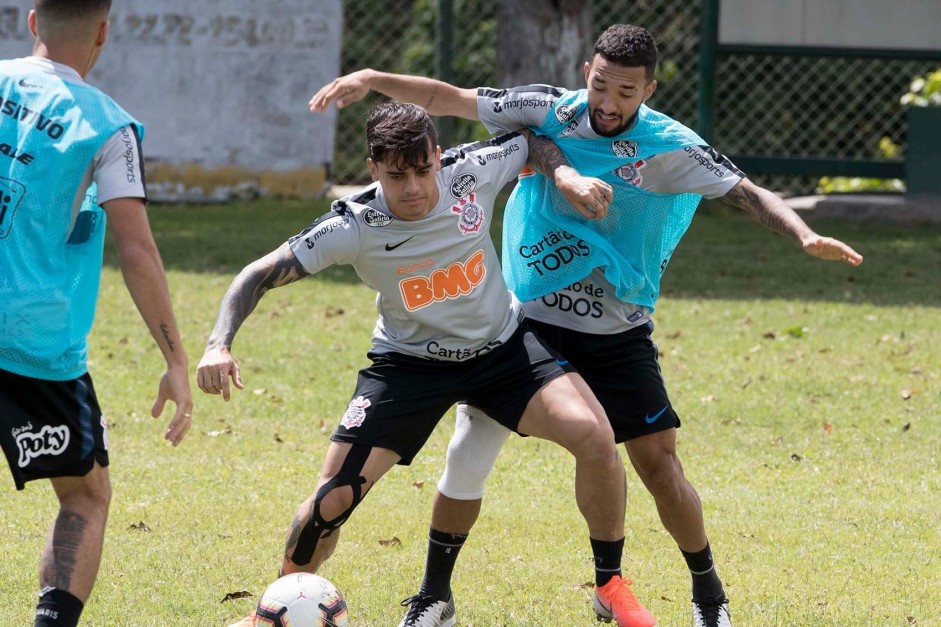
x: 70, y: 161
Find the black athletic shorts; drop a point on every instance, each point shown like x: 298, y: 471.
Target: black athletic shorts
x: 623, y: 372
x: 50, y: 428
x: 399, y: 399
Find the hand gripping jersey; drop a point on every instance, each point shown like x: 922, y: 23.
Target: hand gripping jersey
x: 51, y: 129
x: 591, y: 304
x: 441, y: 294
x: 549, y: 246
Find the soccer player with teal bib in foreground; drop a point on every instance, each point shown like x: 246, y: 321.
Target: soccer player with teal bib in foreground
x: 71, y: 161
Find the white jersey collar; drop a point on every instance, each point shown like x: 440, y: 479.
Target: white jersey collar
x: 54, y: 67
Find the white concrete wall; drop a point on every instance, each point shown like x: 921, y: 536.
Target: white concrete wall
x: 904, y: 24
x: 216, y: 82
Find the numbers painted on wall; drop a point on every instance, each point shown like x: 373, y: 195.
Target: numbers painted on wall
x: 227, y: 31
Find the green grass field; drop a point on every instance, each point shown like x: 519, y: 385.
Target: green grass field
x: 810, y: 395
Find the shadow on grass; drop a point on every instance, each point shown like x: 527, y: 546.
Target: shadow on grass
x: 724, y: 255
x: 224, y: 238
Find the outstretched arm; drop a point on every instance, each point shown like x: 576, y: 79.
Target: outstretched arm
x: 147, y: 283
x: 589, y: 196
x: 438, y: 97
x: 217, y: 365
x: 775, y: 214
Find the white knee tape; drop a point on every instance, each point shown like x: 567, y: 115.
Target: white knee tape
x: 472, y: 452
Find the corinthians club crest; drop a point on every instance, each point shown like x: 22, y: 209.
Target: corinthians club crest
x: 355, y: 412
x: 624, y: 148
x: 630, y: 172
x: 471, y: 215
x: 564, y: 113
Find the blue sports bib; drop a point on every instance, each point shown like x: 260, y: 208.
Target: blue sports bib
x: 50, y: 259
x: 548, y: 246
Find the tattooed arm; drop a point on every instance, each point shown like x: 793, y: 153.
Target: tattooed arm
x: 438, y: 97
x: 217, y: 365
x: 147, y: 283
x: 589, y: 196
x: 775, y: 214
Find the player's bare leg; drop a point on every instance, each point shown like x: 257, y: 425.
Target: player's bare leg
x: 452, y: 518
x: 72, y: 554
x: 658, y: 466
x: 454, y: 515
x: 565, y: 411
x: 344, y: 482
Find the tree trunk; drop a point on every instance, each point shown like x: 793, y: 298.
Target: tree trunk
x: 543, y: 41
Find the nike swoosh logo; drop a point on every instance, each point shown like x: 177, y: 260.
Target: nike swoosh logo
x: 652, y: 419
x: 23, y: 83
x: 561, y: 362
x: 394, y: 246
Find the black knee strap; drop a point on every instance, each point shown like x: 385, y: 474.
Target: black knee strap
x: 317, y: 527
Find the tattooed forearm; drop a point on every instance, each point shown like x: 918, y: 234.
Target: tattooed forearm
x: 165, y: 329
x: 431, y: 97
x: 59, y: 564
x: 273, y: 270
x: 767, y: 209
x: 544, y: 155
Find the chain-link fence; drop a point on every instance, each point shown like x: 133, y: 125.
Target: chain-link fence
x: 399, y: 36
x: 764, y: 104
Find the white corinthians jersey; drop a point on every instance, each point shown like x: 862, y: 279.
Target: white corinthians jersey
x: 441, y: 292
x: 590, y: 305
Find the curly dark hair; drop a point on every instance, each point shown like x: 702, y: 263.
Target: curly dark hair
x: 400, y: 133
x: 629, y: 46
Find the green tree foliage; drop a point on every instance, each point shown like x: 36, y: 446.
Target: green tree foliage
x: 475, y: 53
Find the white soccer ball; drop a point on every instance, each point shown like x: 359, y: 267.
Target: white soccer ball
x: 301, y: 600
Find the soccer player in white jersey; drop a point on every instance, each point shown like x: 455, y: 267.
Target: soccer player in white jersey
x: 70, y: 161
x: 607, y: 338
x: 449, y: 330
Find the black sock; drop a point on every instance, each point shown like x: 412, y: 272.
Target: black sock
x: 57, y: 608
x: 706, y: 582
x: 439, y: 564
x: 607, y: 559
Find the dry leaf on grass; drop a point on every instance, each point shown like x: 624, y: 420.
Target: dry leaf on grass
x: 231, y: 596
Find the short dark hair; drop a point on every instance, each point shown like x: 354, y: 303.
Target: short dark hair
x: 400, y: 133
x: 63, y: 10
x: 68, y: 17
x: 628, y: 45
